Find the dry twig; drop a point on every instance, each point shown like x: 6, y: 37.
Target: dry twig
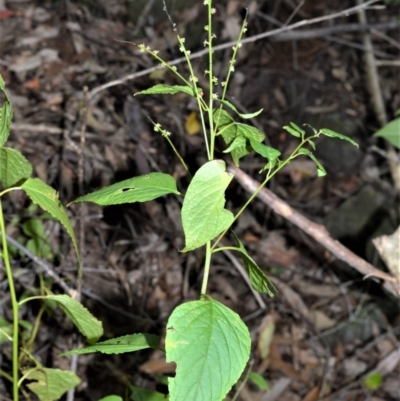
x: 318, y: 232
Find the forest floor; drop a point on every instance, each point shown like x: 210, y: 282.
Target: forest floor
x: 327, y: 328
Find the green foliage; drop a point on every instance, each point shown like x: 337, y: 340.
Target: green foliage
x: 14, y: 168
x: 391, y: 132
x: 373, y: 381
x: 141, y: 394
x: 210, y: 345
x: 47, y: 198
x: 6, y: 115
x: 51, y: 384
x: 259, y: 381
x: 138, y: 189
x: 86, y: 323
x: 38, y: 241
x: 203, y: 213
x: 162, y: 89
x: 111, y: 398
x: 258, y: 279
x: 119, y: 345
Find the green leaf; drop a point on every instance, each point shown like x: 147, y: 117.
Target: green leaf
x: 203, y: 213
x: 249, y: 132
x: 210, y: 345
x: 162, y: 89
x: 259, y: 281
x: 244, y: 116
x: 222, y: 117
x: 137, y: 189
x: 333, y: 134
x: 119, y: 345
x: 259, y: 381
x: 51, y: 384
x: 373, y: 381
x: 14, y: 167
x: 141, y: 394
x: 391, y: 132
x: 6, y: 114
x: 86, y: 323
x: 320, y: 168
x: 38, y: 244
x: 5, y: 328
x: 47, y: 198
x: 112, y: 398
x: 238, y: 142
x: 264, y: 150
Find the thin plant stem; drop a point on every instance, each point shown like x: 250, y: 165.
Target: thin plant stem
x: 243, y: 383
x: 14, y: 305
x: 262, y: 185
x: 210, y: 80
x: 207, y: 265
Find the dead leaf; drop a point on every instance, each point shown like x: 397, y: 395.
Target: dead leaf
x: 266, y: 333
x: 192, y: 125
x: 388, y: 247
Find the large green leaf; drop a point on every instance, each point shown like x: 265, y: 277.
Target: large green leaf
x: 162, y: 89
x: 47, y: 198
x: 119, y: 345
x: 391, y: 132
x: 203, y: 213
x: 249, y: 132
x: 210, y: 345
x: 14, y: 167
x: 137, y: 189
x: 86, y: 323
x: 6, y: 115
x: 51, y: 384
x: 259, y: 281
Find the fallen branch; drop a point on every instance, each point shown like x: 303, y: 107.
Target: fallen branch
x: 318, y: 232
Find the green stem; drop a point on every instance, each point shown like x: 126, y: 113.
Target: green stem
x: 256, y: 192
x: 207, y: 265
x: 14, y: 305
x: 226, y: 248
x: 210, y: 80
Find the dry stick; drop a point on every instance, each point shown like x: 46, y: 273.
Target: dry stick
x: 376, y: 94
x: 223, y: 46
x: 46, y: 268
x: 318, y: 232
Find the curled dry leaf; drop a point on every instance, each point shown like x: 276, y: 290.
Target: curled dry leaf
x: 388, y: 247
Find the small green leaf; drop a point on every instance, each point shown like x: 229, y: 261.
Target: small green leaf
x: 259, y: 281
x: 6, y: 114
x: 259, y: 381
x: 373, y: 381
x: 264, y: 150
x: 210, y: 345
x: 246, y: 116
x: 292, y: 131
x: 119, y: 345
x: 86, y: 323
x: 38, y: 243
x: 112, y: 398
x: 47, y: 198
x: 51, y: 384
x: 238, y: 142
x: 203, y: 213
x: 14, y: 167
x: 5, y: 328
x: 297, y: 128
x: 391, y: 132
x: 162, y: 89
x: 333, y: 134
x: 137, y: 189
x: 321, y: 172
x: 141, y: 394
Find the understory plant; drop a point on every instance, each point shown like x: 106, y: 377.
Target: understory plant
x: 208, y: 341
